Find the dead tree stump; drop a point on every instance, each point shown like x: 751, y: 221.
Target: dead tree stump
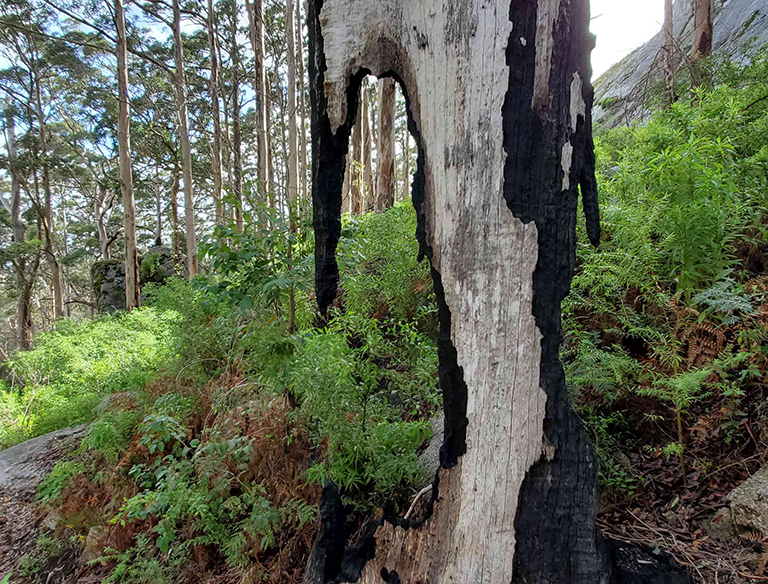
x: 499, y: 100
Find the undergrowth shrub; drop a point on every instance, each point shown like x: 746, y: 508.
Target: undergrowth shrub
x: 379, y: 269
x: 71, y: 369
x: 663, y: 320
x: 52, y: 485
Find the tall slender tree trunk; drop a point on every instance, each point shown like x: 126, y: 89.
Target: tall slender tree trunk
x: 367, y: 187
x: 270, y: 152
x: 180, y: 80
x: 385, y: 152
x: 346, y: 189
x: 702, y: 31
x: 24, y: 282
x: 669, y: 53
x: 406, y: 164
x: 174, y: 210
x: 214, y: 89
x: 158, y: 212
x: 132, y: 294
x: 293, y: 170
x: 499, y: 100
x: 98, y: 216
x: 356, y: 172
x: 48, y: 222
x: 302, y: 110
x: 65, y: 232
x: 237, y: 138
x: 256, y: 29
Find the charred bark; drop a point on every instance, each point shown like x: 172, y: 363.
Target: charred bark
x: 498, y: 100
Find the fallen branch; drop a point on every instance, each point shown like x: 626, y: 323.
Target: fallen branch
x: 418, y: 496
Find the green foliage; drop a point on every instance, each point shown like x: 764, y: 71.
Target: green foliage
x: 254, y: 267
x: 347, y: 394
x: 71, y: 369
x: 609, y: 372
x: 110, y: 434
x: 725, y: 301
x: 140, y: 565
x: 379, y: 268
x: 46, y: 549
x: 52, y: 485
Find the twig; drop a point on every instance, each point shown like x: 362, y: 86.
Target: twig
x: 418, y: 496
x: 758, y: 100
x: 761, y: 578
x: 713, y: 473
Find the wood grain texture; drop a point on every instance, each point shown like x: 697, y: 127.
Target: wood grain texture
x: 498, y: 102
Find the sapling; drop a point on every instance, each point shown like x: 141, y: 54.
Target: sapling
x: 681, y: 390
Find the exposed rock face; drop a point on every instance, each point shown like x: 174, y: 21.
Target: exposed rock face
x: 749, y: 503
x: 158, y: 264
x: 108, y: 280
x: 620, y: 92
x: 23, y: 466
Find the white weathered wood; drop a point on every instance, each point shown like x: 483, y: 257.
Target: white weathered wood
x: 450, y: 55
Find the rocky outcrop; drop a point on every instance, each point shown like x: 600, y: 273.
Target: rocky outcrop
x: 749, y: 504
x: 621, y: 93
x: 158, y: 264
x: 108, y: 281
x: 23, y: 466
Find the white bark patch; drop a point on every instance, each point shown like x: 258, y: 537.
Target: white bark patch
x: 578, y: 105
x: 547, y: 13
x: 457, y: 81
x: 566, y: 160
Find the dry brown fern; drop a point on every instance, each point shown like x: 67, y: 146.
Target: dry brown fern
x: 705, y: 342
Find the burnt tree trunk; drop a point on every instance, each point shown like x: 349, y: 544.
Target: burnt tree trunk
x: 702, y: 31
x: 499, y: 101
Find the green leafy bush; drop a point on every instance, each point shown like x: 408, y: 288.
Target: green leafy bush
x: 52, y: 486
x: 70, y: 370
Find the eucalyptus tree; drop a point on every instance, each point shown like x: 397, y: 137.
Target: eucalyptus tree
x: 385, y: 150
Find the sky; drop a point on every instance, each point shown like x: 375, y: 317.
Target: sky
x: 621, y: 26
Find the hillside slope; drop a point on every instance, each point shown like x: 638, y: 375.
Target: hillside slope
x: 621, y: 92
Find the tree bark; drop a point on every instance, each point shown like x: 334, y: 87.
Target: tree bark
x: 356, y: 169
x: 214, y: 89
x: 406, y: 164
x: 669, y: 53
x: 367, y: 187
x: 702, y: 31
x: 237, y: 139
x: 180, y: 81
x: 385, y: 189
x: 302, y: 111
x: 174, y: 210
x: 48, y: 222
x: 159, y: 212
x: 293, y: 169
x: 132, y: 294
x: 99, y: 200
x: 24, y: 281
x: 270, y: 160
x: 256, y: 35
x: 502, y: 121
